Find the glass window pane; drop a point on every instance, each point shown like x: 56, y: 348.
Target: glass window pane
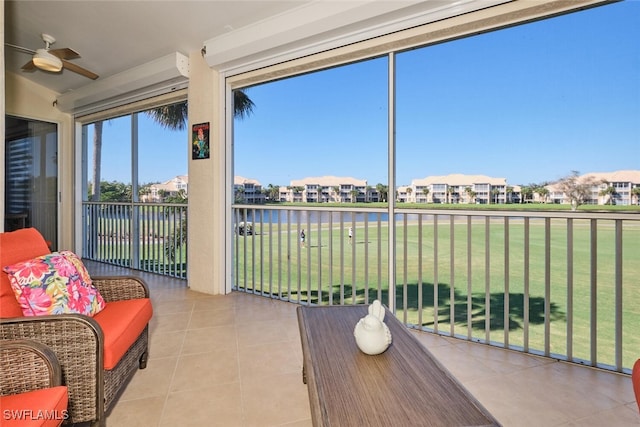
x: 327, y: 123
x: 109, y: 159
x: 163, y: 154
x: 529, y: 104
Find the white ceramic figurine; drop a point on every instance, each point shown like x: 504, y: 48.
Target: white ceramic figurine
x: 372, y: 334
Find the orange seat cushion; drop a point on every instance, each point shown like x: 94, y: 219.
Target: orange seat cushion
x: 39, y: 408
x: 122, y: 322
x: 17, y: 246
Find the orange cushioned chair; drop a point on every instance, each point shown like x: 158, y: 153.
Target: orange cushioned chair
x: 98, y: 354
x: 635, y: 379
x: 31, y: 394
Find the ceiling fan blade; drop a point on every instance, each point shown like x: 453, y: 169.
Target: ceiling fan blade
x: 78, y: 69
x: 20, y: 48
x: 29, y: 66
x: 65, y: 53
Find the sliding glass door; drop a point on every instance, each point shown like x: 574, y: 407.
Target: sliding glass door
x: 31, y: 176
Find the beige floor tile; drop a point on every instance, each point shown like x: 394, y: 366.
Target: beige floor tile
x: 206, y: 340
x: 461, y: 365
x: 258, y: 309
x: 514, y: 405
x: 575, y: 402
x: 275, y: 400
x: 205, y: 369
x: 430, y: 340
x: 620, y: 416
x: 211, y: 318
x: 270, y: 359
x: 161, y: 323
x: 236, y: 360
x: 171, y: 294
x: 216, y: 302
x: 166, y: 344
x: 260, y: 332
x: 215, y: 406
x: 137, y: 413
x: 302, y: 423
x: 162, y: 307
x: 152, y: 381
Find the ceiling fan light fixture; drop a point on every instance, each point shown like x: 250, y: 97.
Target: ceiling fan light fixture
x: 47, y: 61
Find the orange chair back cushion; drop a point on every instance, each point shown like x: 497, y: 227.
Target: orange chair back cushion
x: 635, y: 378
x: 16, y: 246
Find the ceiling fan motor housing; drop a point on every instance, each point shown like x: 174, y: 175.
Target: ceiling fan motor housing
x: 48, y: 40
x: 47, y: 61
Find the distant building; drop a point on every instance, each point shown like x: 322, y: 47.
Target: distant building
x: 622, y: 183
x: 326, y: 189
x: 454, y: 188
x: 159, y: 192
x: 458, y: 188
x: 246, y: 190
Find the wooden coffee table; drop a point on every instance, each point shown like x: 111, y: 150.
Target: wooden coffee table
x: 404, y: 386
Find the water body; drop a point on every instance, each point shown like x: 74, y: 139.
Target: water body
x: 272, y: 215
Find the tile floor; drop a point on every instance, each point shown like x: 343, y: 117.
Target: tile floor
x: 236, y: 360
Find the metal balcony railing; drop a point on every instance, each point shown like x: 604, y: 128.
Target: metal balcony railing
x: 142, y: 236
x: 559, y: 284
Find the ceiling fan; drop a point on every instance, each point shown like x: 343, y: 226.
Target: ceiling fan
x: 53, y: 60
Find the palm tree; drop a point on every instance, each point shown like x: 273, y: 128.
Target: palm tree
x: 175, y: 116
x: 544, y: 193
x: 609, y: 191
x: 467, y: 190
x: 425, y: 191
x: 508, y: 195
x: 635, y: 192
x: 97, y: 160
x: 162, y: 194
x: 541, y: 191
x: 239, y: 195
x: 526, y: 192
x: 172, y: 117
x: 144, y: 190
x: 273, y: 191
x: 336, y: 191
x: 383, y: 191
x: 450, y: 191
x: 495, y: 192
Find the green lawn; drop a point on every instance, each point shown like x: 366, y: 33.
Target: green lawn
x: 329, y: 267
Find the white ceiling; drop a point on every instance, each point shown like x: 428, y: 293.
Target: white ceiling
x: 113, y: 36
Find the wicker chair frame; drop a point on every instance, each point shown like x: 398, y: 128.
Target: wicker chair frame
x: 78, y: 343
x: 26, y: 366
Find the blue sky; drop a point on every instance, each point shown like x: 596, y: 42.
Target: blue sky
x: 163, y: 154
x: 531, y: 104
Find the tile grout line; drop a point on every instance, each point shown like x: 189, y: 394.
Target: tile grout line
x: 175, y: 368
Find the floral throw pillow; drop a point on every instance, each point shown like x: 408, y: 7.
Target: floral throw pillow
x: 55, y: 283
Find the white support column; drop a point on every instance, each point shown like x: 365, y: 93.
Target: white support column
x: 206, y: 223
